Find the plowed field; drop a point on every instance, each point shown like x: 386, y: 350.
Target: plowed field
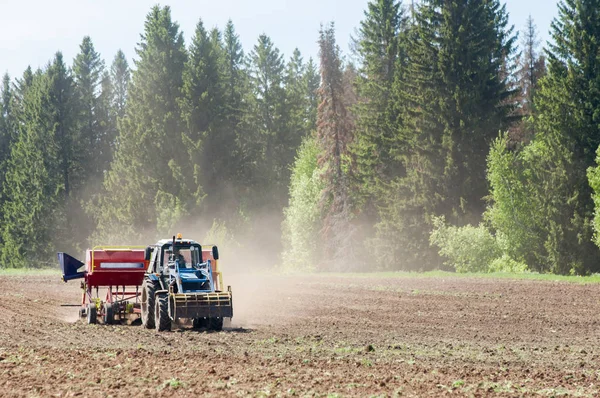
x: 315, y: 336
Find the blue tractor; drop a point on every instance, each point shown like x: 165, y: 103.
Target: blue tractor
x: 183, y: 282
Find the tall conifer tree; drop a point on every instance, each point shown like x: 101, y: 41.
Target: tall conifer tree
x: 381, y: 47
x: 120, y: 78
x: 334, y: 135
x: 145, y: 183
x: 454, y: 99
x: 42, y: 171
x: 268, y: 119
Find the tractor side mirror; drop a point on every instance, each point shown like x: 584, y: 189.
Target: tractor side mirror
x: 147, y: 253
x: 215, y: 252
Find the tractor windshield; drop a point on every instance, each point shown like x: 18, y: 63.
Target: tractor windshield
x: 187, y: 256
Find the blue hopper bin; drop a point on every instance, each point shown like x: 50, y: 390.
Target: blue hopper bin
x: 70, y: 267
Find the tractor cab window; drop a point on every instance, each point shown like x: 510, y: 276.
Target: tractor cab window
x: 186, y: 256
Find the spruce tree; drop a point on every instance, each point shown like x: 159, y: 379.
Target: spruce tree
x: 106, y: 114
x: 454, y: 98
x: 120, y: 76
x: 568, y: 102
x: 145, y: 181
x: 210, y: 142
x: 7, y: 123
x: 7, y: 130
x: 334, y: 134
x: 88, y: 70
x: 531, y: 66
x: 381, y: 49
x: 42, y: 172
x: 296, y: 108
x: 267, y: 119
x: 311, y: 81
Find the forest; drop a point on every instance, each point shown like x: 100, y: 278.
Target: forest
x: 445, y: 139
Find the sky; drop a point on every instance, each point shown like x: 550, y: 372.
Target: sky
x: 32, y: 31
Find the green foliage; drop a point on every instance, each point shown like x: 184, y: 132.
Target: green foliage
x: 334, y: 135
x: 468, y: 248
x: 120, y: 78
x: 302, y: 221
x: 202, y: 109
x: 515, y: 210
x: 381, y: 47
x: 144, y: 170
x: 542, y: 197
x: 267, y: 119
x: 507, y: 264
x: 40, y: 171
x: 397, y: 144
x: 452, y: 98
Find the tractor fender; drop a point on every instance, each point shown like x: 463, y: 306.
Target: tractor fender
x: 153, y: 277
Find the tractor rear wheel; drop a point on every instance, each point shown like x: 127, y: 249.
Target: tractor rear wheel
x: 148, y: 299
x: 161, y: 313
x: 109, y: 314
x: 215, y: 323
x: 92, y: 314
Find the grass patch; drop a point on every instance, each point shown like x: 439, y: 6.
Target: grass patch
x: 30, y: 271
x: 595, y: 278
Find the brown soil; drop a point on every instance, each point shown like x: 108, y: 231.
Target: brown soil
x: 315, y: 335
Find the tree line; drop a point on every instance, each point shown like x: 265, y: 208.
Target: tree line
x: 98, y: 155
x: 444, y: 140
x: 455, y: 143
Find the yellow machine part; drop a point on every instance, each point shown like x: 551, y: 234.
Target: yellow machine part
x: 202, y: 305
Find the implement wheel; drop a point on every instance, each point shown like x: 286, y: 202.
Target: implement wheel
x: 148, y: 299
x: 92, y: 314
x: 109, y: 314
x: 161, y: 313
x: 215, y: 323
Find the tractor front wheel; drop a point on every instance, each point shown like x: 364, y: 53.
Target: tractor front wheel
x: 148, y: 299
x: 92, y: 314
x: 161, y: 314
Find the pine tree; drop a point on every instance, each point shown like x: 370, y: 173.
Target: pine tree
x: 145, y: 182
x: 120, y: 75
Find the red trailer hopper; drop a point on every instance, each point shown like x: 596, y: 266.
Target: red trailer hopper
x: 119, y: 269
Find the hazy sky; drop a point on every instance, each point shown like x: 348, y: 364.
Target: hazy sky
x: 32, y: 31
